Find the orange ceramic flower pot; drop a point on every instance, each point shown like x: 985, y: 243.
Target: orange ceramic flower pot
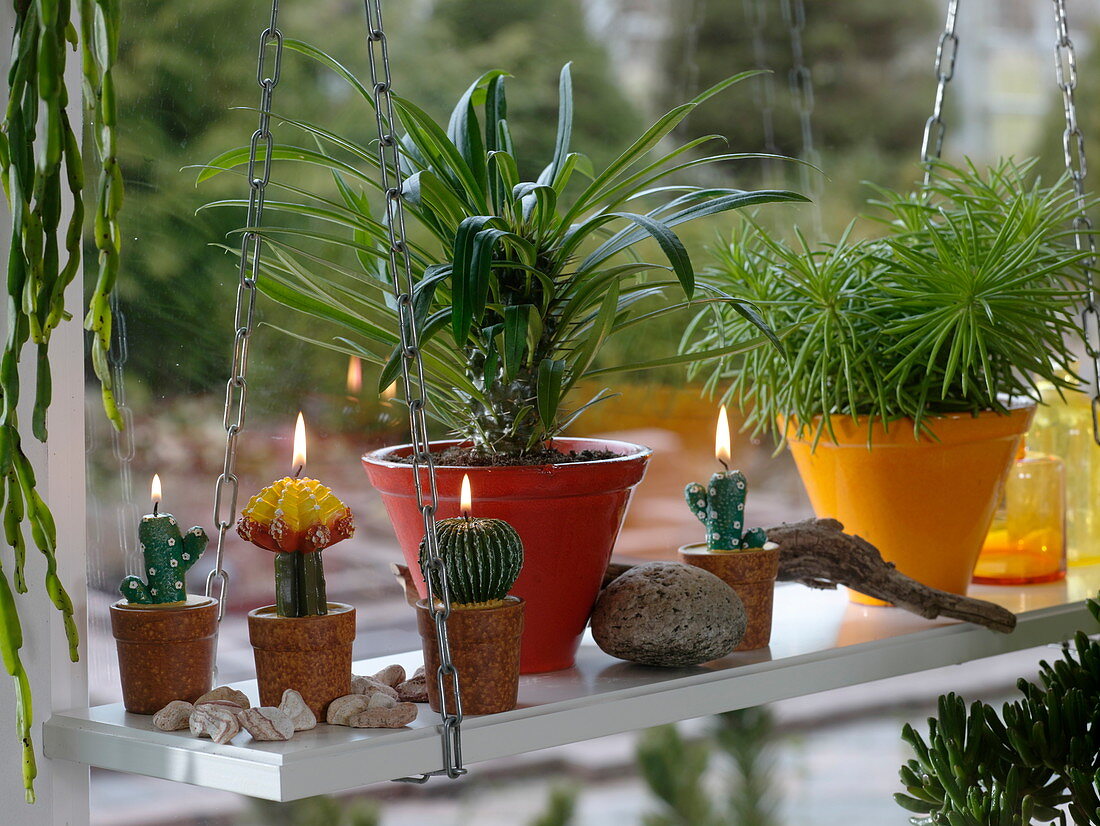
x: 926, y: 503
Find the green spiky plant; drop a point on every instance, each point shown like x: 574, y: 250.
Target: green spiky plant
x: 968, y: 299
x: 1036, y: 762
x: 519, y: 283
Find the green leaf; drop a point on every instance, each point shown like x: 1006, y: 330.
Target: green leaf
x: 465, y: 279
x: 565, y: 127
x: 515, y: 337
x: 549, y: 391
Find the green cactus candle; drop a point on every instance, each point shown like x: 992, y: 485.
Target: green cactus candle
x: 720, y: 505
x: 482, y: 557
x: 169, y: 555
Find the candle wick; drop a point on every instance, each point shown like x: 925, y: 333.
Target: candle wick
x: 298, y: 472
x: 156, y: 508
x: 724, y: 464
x: 466, y: 515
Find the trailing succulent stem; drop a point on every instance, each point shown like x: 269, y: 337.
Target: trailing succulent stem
x: 720, y: 506
x: 482, y: 558
x: 40, y: 158
x: 300, y: 585
x: 168, y: 556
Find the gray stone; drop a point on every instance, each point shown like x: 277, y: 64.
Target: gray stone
x: 668, y: 614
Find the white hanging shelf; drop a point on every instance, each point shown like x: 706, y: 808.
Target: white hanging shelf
x: 820, y: 642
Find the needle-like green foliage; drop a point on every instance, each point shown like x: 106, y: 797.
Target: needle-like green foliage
x: 1036, y: 762
x: 519, y: 283
x: 966, y: 301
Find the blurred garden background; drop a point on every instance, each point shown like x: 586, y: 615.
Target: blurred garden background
x: 186, y: 84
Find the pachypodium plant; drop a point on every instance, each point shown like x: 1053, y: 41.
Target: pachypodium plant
x: 720, y: 506
x: 297, y: 519
x: 482, y: 558
x: 520, y: 283
x: 168, y: 555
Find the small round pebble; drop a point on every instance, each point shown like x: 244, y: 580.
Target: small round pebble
x: 668, y: 614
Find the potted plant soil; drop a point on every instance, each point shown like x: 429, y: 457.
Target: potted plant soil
x: 520, y: 284
x: 165, y: 638
x: 744, y: 560
x: 907, y: 370
x: 302, y: 642
x: 482, y: 558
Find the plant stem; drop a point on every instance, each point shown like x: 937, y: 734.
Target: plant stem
x: 286, y: 585
x: 311, y: 585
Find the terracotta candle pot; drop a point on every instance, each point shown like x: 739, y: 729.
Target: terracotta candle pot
x: 752, y: 575
x: 165, y: 652
x: 485, y: 646
x: 310, y: 654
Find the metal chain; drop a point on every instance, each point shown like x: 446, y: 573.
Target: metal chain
x: 756, y: 16
x: 412, y: 376
x: 932, y: 143
x: 236, y: 389
x: 1073, y: 148
x: 127, y: 514
x: 802, y: 95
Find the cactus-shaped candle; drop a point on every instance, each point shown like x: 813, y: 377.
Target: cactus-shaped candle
x: 720, y: 505
x: 296, y: 519
x: 482, y: 557
x: 168, y: 554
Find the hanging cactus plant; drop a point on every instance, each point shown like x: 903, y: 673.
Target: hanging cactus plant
x: 482, y: 558
x: 40, y: 157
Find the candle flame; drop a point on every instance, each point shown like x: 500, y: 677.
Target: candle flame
x: 299, y: 442
x: 465, y: 499
x: 155, y: 488
x: 355, y: 376
x: 390, y: 392
x: 722, y: 437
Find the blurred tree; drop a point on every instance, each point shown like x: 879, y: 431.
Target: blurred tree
x: 312, y: 811
x: 181, y: 70
x: 872, y: 82
x: 675, y: 769
x: 561, y: 807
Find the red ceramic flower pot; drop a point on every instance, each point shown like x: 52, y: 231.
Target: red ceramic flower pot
x: 567, y: 515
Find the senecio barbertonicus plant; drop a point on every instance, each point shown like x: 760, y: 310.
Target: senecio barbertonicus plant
x: 519, y: 283
x: 966, y: 301
x: 1037, y: 762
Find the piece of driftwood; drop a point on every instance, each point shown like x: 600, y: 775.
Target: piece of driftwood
x: 818, y: 554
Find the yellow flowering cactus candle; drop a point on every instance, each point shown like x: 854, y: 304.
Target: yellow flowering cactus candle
x: 296, y: 519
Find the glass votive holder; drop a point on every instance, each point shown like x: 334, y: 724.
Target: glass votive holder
x: 1027, y: 541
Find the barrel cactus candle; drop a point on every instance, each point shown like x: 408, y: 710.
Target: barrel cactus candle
x: 481, y: 560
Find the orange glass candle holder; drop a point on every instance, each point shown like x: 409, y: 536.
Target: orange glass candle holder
x: 1027, y: 541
